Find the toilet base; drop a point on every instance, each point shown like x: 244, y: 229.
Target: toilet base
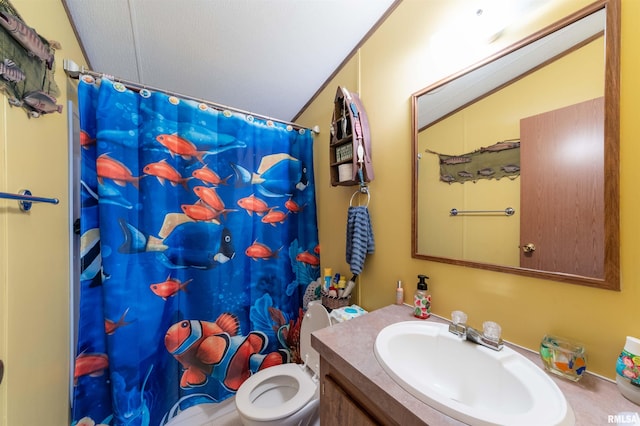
x: 309, y: 415
x: 216, y: 414
x: 226, y: 414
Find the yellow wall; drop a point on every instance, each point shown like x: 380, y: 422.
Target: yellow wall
x: 392, y: 65
x: 34, y: 273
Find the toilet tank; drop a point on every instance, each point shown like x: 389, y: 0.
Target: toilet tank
x: 315, y: 318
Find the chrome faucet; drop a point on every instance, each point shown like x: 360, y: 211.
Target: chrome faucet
x: 490, y: 336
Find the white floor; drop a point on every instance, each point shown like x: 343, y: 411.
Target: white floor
x: 221, y: 414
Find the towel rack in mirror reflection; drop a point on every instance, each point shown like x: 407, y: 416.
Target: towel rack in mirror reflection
x: 508, y: 211
x: 25, y: 199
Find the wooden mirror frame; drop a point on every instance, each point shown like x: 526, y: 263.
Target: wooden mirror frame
x: 611, y: 279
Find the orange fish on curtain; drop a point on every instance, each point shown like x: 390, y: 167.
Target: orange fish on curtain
x: 214, y: 349
x: 170, y: 287
x: 90, y: 364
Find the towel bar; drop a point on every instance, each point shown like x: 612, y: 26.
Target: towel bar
x: 25, y: 199
x: 508, y: 211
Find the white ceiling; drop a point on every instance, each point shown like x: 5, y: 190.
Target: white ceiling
x: 268, y: 57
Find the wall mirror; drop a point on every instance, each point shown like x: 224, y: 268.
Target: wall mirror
x: 516, y: 158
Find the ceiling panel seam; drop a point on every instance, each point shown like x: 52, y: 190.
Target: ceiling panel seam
x: 134, y: 37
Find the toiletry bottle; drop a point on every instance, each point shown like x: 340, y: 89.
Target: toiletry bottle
x: 342, y: 284
x: 422, y: 299
x: 327, y: 279
x: 350, y: 285
x: 399, y: 293
x: 336, y: 280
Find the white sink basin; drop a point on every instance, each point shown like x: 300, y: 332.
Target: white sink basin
x: 469, y: 382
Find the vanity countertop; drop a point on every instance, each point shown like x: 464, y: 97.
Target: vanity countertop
x: 348, y: 347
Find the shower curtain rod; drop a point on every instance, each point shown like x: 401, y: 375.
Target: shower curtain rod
x: 73, y: 71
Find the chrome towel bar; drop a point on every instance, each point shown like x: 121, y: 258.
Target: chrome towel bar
x: 508, y: 211
x: 25, y: 199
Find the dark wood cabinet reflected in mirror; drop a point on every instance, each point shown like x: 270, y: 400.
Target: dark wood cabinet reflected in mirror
x: 534, y: 128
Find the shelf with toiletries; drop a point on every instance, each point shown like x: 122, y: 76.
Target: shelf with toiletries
x: 350, y: 141
x: 335, y: 290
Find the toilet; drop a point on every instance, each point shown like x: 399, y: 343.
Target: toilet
x: 287, y: 394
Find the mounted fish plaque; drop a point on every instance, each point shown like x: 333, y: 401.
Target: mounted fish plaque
x: 26, y: 65
x: 350, y: 143
x: 493, y: 162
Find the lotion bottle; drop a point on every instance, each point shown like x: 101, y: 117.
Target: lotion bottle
x: 399, y: 294
x: 422, y: 299
x: 327, y: 279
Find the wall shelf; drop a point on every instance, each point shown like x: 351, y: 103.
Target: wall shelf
x: 350, y: 141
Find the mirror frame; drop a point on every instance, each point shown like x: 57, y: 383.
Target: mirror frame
x: 611, y: 280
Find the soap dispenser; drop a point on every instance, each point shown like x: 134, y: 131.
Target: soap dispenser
x: 422, y: 299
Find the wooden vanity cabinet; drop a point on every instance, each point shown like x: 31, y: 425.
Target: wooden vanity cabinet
x: 342, y: 403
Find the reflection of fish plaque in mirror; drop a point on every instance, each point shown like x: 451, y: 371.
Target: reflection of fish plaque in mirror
x: 491, y: 162
x: 456, y: 117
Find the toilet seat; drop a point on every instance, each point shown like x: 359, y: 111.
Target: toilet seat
x: 270, y: 378
x: 293, y: 376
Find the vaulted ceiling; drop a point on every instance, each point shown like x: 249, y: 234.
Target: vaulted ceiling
x: 268, y: 57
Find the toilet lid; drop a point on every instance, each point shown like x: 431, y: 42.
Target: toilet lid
x: 306, y: 391
x: 315, y: 318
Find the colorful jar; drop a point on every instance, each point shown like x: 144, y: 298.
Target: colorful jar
x: 628, y: 370
x: 563, y: 358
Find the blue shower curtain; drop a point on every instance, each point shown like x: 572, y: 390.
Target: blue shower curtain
x: 199, y: 252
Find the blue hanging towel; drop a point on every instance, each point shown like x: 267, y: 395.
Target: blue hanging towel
x: 359, y: 237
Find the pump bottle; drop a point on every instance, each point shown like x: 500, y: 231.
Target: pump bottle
x: 399, y: 294
x: 422, y: 299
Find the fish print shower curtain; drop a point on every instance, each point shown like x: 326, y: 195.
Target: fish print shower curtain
x: 199, y: 252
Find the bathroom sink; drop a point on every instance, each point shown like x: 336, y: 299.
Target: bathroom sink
x: 469, y: 382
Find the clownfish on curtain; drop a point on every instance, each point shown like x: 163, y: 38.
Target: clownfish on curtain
x: 199, y: 250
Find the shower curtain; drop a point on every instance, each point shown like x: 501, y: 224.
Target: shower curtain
x: 199, y: 252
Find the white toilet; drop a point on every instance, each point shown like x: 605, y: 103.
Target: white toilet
x: 287, y: 394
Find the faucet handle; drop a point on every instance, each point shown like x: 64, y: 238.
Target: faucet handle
x: 458, y: 317
x: 491, y: 330
x: 458, y: 324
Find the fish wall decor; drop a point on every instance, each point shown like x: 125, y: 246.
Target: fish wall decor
x: 10, y: 71
x: 27, y: 37
x: 492, y: 162
x: 26, y: 65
